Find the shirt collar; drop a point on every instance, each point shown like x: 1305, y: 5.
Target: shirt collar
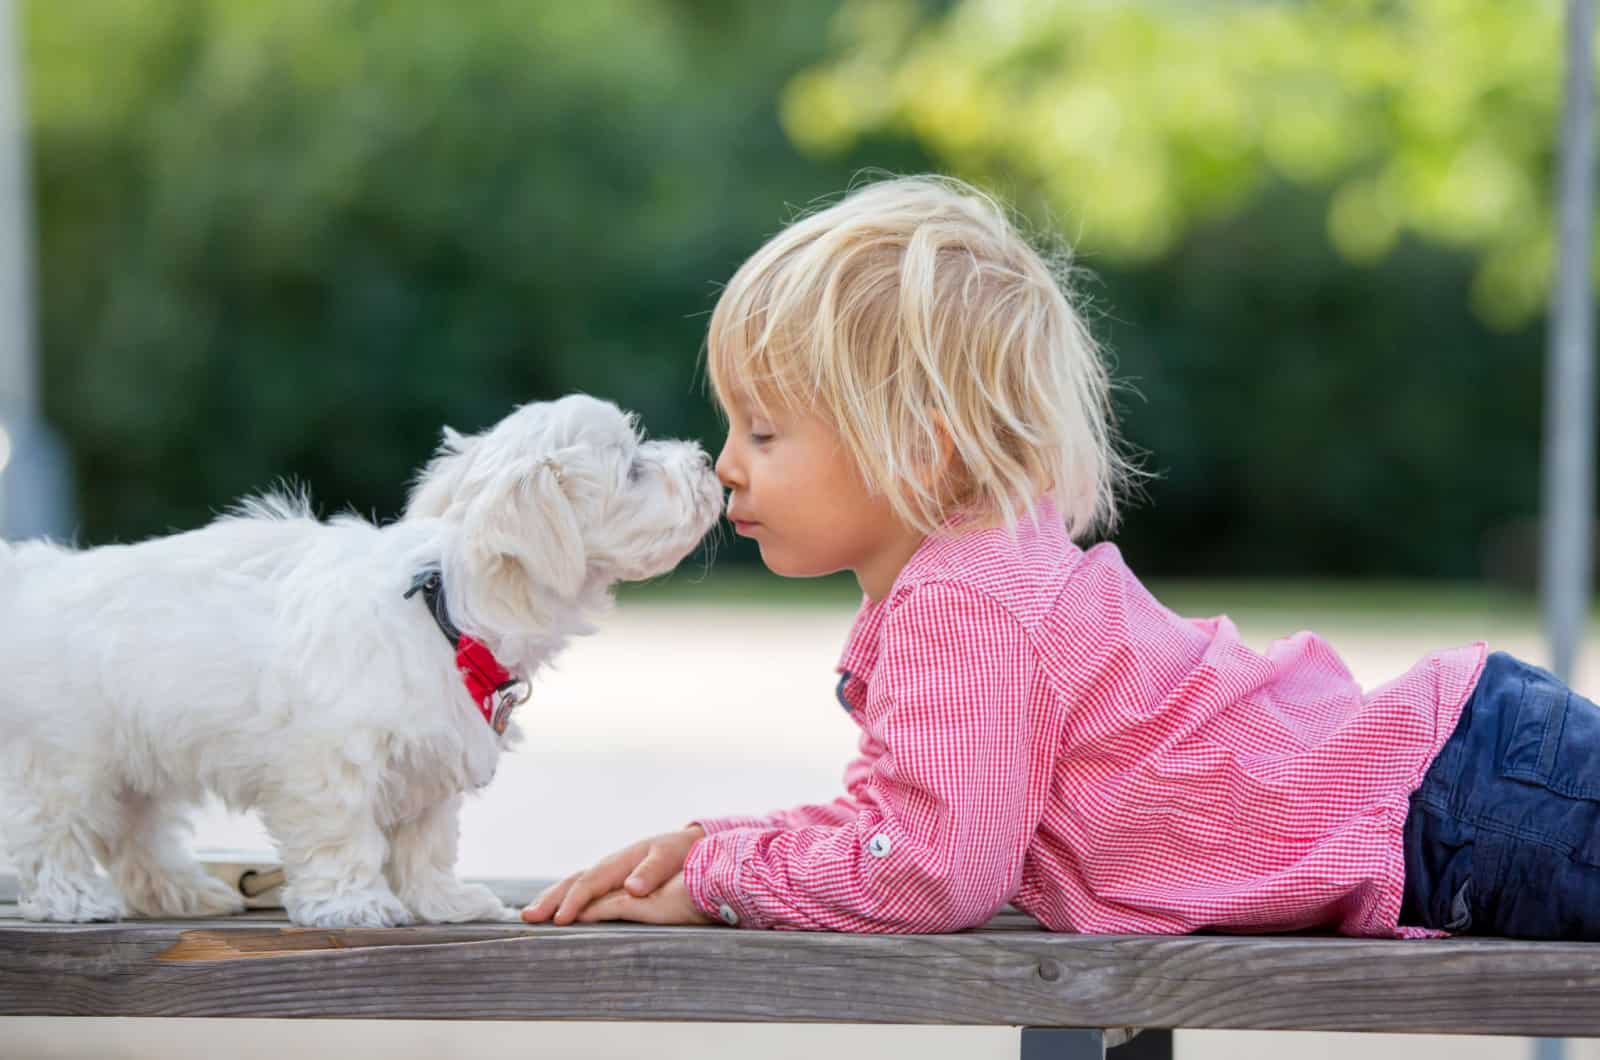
x: 860, y: 653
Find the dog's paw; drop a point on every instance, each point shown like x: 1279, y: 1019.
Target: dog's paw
x: 361, y: 909
x: 458, y: 903
x: 197, y: 895
x: 72, y: 900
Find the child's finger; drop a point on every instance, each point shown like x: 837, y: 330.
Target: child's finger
x: 652, y: 872
x: 540, y: 910
x: 606, y: 907
x: 599, y: 880
x: 547, y: 902
x: 620, y: 905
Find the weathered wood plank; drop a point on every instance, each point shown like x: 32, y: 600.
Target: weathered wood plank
x: 259, y: 967
x: 1008, y: 973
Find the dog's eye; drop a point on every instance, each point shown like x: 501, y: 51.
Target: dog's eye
x: 635, y: 469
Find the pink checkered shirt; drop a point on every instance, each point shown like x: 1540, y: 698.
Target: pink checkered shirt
x: 1036, y: 728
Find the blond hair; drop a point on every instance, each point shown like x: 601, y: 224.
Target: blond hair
x: 915, y: 318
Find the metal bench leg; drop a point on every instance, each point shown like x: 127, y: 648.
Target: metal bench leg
x: 1072, y: 1043
x: 1063, y: 1043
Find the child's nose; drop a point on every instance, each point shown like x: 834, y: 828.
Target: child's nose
x: 728, y: 472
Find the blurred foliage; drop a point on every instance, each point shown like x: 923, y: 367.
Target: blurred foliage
x: 1138, y: 120
x: 296, y: 238
x: 1306, y: 416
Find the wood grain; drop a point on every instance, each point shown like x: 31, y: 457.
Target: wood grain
x: 1013, y: 974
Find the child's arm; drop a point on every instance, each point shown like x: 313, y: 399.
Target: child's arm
x: 942, y: 817
x: 640, y: 868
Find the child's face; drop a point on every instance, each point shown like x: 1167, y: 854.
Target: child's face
x: 794, y: 489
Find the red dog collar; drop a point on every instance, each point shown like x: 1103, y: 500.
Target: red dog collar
x: 491, y: 685
x: 493, y: 688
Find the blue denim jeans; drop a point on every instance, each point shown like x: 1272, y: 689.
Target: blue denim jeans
x: 1503, y: 836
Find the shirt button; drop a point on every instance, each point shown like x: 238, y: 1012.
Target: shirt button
x: 879, y: 846
x: 728, y: 916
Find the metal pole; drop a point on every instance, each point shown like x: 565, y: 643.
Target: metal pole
x: 18, y: 382
x: 1569, y: 380
x: 33, y: 465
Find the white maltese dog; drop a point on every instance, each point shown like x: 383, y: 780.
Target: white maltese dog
x: 347, y: 681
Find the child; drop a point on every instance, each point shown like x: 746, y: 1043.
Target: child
x: 911, y: 397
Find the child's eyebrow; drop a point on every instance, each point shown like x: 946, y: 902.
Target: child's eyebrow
x: 743, y: 403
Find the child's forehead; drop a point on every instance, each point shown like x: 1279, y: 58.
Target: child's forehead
x: 749, y: 403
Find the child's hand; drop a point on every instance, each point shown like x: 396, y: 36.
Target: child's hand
x: 670, y: 904
x: 640, y: 867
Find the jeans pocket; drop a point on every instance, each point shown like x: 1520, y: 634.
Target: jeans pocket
x: 1553, y: 743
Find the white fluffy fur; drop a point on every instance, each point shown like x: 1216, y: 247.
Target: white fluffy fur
x: 270, y: 658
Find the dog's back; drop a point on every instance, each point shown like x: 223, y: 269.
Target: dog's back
x: 17, y: 556
x: 105, y: 645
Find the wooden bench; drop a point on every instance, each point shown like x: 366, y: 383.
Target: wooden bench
x: 1073, y: 994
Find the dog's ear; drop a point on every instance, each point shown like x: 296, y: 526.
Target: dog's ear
x: 439, y: 483
x: 524, y: 542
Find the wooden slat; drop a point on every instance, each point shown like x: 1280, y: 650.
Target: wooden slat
x: 261, y: 967
x: 1008, y: 973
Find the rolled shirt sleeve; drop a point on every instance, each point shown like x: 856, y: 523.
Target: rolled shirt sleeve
x: 934, y: 830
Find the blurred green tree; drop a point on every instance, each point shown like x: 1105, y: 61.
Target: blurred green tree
x: 296, y: 238
x: 1136, y: 121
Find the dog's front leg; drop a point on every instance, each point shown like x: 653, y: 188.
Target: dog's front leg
x: 333, y: 856
x: 422, y: 861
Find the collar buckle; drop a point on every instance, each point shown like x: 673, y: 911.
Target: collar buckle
x: 507, y: 698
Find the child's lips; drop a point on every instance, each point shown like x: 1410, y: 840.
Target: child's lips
x: 743, y: 526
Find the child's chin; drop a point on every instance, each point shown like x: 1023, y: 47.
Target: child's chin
x: 777, y: 562
x: 786, y: 566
